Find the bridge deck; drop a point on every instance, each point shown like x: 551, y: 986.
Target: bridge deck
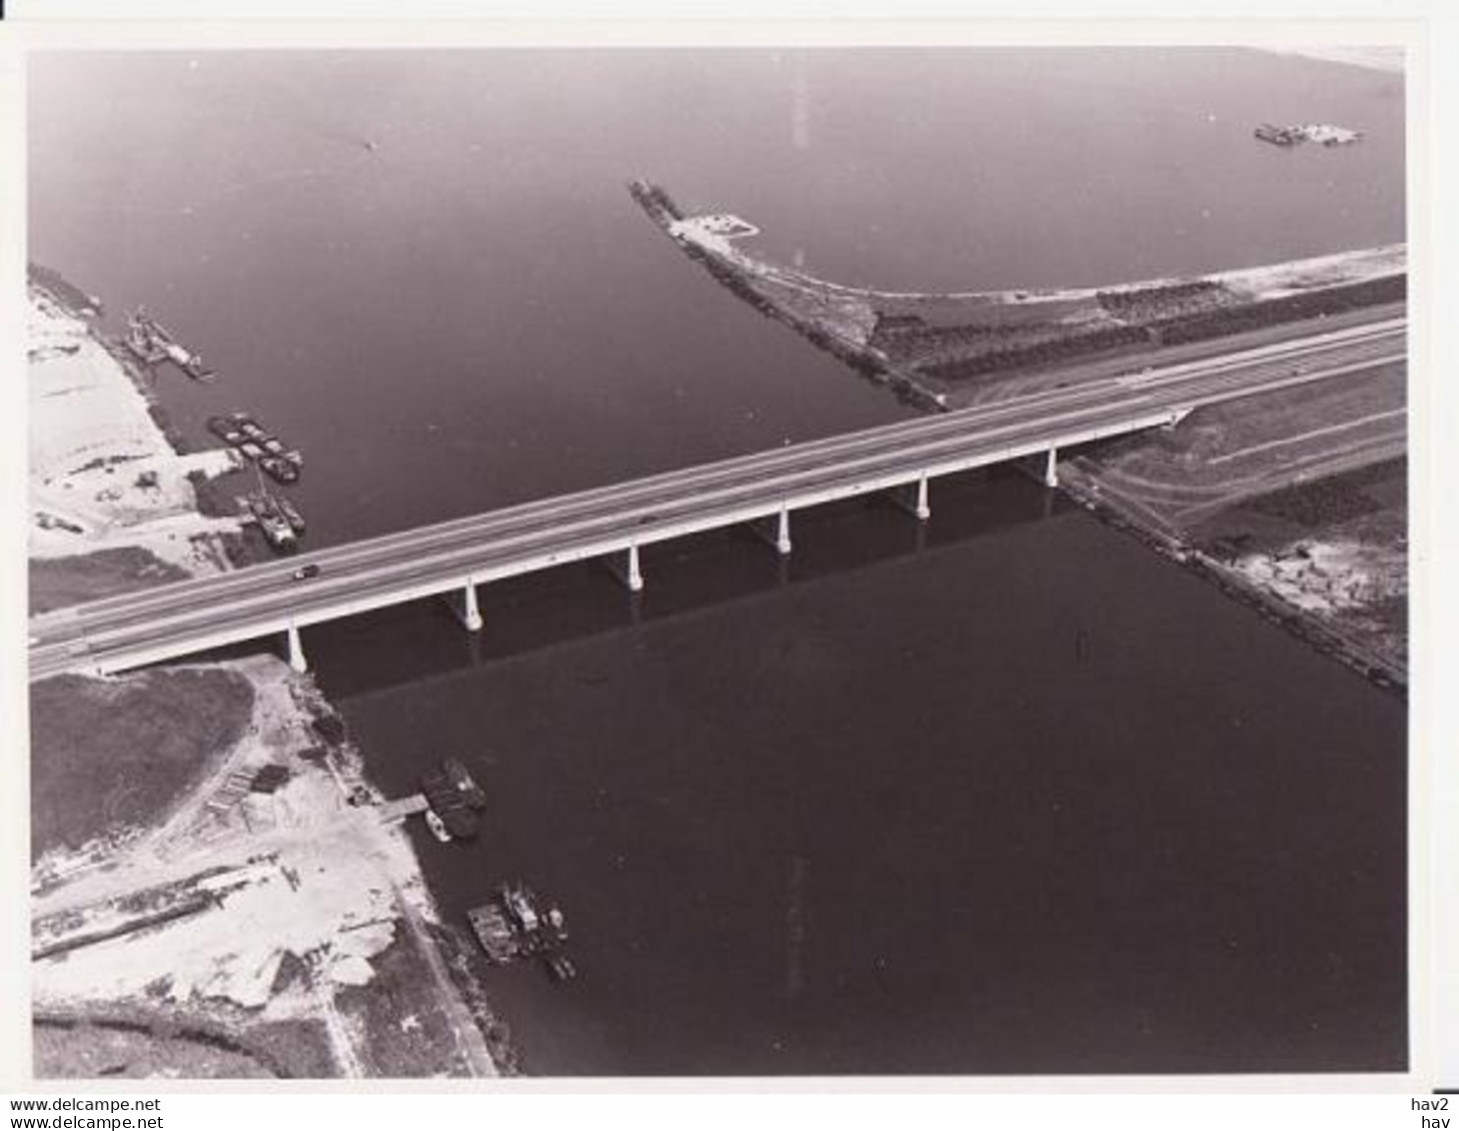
x: 176, y: 619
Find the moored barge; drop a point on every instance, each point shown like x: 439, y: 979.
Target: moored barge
x: 150, y: 341
x: 515, y: 925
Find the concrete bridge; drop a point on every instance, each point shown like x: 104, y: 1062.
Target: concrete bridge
x: 614, y: 523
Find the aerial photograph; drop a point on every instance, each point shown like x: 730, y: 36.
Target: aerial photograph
x: 717, y: 562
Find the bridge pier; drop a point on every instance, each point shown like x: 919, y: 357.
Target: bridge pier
x: 628, y: 573
x: 1051, y: 468
x: 913, y: 498
x: 780, y: 525
x: 467, y: 611
x: 297, y: 659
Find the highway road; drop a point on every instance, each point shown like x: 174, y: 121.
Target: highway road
x: 174, y: 620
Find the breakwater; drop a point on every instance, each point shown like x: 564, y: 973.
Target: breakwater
x: 930, y: 348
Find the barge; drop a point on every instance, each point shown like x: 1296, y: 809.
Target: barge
x: 291, y: 514
x: 151, y: 342
x: 1324, y: 135
x: 493, y: 932
x: 280, y: 462
x: 461, y: 778
x: 271, y: 521
x: 514, y: 924
x: 448, y: 804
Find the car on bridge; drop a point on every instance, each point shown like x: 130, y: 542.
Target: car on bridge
x: 305, y: 572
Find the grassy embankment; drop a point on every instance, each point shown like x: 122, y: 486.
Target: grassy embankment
x: 111, y: 756
x: 58, y: 583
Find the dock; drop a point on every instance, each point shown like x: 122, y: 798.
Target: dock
x: 403, y: 807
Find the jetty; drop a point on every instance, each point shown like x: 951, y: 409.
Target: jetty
x: 403, y: 807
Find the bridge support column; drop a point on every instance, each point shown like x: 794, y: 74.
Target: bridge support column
x: 782, y: 530
x: 775, y: 529
x: 297, y: 660
x: 468, y: 612
x: 629, y: 573
x: 1051, y: 468
x: 913, y: 499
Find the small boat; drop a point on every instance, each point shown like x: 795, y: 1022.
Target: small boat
x: 437, y: 827
x: 561, y: 967
x: 220, y: 426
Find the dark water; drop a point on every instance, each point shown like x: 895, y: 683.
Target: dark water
x: 475, y: 313
x: 1009, y: 794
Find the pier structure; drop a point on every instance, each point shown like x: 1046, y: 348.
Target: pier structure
x: 615, y: 523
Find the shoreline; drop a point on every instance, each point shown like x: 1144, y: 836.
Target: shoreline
x: 108, y: 473
x: 139, y: 911
x: 1128, y: 517
x: 939, y: 352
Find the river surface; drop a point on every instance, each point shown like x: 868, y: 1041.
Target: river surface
x: 1007, y: 793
